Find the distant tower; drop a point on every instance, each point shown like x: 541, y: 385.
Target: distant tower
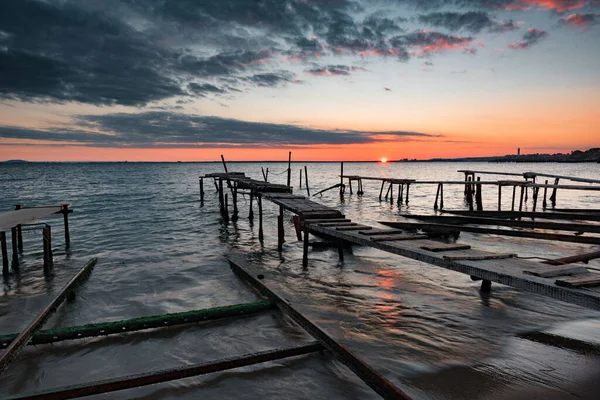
x: 519, y: 151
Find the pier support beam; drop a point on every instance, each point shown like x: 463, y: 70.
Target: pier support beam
x: 260, y: 220
x: 545, y: 203
x: 235, y: 215
x: 478, y: 196
x: 251, y: 212
x: 280, y: 232
x: 306, y: 181
x: 201, y: 183
x: 553, y: 196
x: 341, y: 250
x: 4, y: 253
x: 512, y: 208
x: 19, y: 231
x: 65, y: 212
x: 486, y: 286
x: 381, y: 190
x: 500, y: 197
x: 47, y: 246
x: 305, y: 249
x: 15, y: 247
x: 342, y: 179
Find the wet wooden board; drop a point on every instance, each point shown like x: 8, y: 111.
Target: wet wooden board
x: 583, y: 280
x: 390, y: 238
x: 477, y: 255
x: 334, y: 224
x: 562, y: 270
x: 317, y: 221
x: 381, y: 232
x: 438, y: 247
x: 352, y: 228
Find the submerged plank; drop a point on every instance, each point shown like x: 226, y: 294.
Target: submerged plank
x: 583, y: 280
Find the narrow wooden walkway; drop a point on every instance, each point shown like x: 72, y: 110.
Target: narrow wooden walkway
x: 571, y: 284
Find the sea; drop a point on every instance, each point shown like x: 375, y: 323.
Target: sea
x: 160, y: 250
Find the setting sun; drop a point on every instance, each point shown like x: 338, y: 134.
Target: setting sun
x: 383, y: 159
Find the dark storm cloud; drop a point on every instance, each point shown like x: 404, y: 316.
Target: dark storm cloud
x: 271, y: 79
x: 531, y: 37
x: 202, y: 89
x: 333, y: 70
x: 167, y: 129
x: 472, y: 21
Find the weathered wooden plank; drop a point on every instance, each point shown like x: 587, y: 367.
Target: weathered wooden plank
x: 562, y: 270
x: 438, y: 247
x: 317, y: 221
x: 352, y: 228
x: 381, y: 232
x: 390, y: 238
x: 528, y: 214
x: 476, y: 255
x: 577, y: 281
x: 364, y: 371
x: 332, y: 224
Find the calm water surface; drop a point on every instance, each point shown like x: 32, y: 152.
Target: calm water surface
x: 160, y: 251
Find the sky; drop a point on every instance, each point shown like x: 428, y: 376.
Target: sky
x: 189, y: 80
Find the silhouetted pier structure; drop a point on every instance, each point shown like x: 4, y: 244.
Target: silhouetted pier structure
x: 23, y: 218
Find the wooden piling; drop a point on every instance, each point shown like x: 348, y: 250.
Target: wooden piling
x: 305, y: 249
x: 263, y: 173
x: 381, y: 190
x: 400, y: 192
x: 226, y: 209
x: 15, y: 247
x: 407, y: 193
x: 280, y: 232
x: 486, y: 286
x: 201, y: 190
x: 267, y: 175
x: 235, y: 215
x: 553, y: 196
x: 478, y: 196
x: 251, y: 212
x: 512, y: 208
x: 306, y: 180
x: 342, y: 179
x: 437, y: 195
x: 535, y: 197
x: 4, y: 253
x: 65, y: 213
x: 300, y: 179
x: 391, y: 193
x: 350, y: 184
x: 469, y: 194
x: 19, y: 231
x: 289, y: 170
x: 521, y: 199
x: 47, y: 247
x: 544, y: 203
x: 388, y: 191
x: 441, y: 196
x: 260, y: 219
x: 221, y: 198
x: 499, y: 197
x: 341, y: 250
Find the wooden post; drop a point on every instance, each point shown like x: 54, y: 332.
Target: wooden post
x: 499, y: 197
x: 300, y: 178
x: 263, y: 172
x: 512, y: 208
x: 544, y: 203
x: 297, y: 227
x: 19, y: 231
x: 535, y: 197
x: 260, y: 219
x: 486, y: 286
x: 388, y: 191
x: 478, y: 197
x: 221, y: 197
x: 341, y: 250
x: 65, y: 212
x: 280, y: 233
x: 342, y: 179
x: 235, y: 215
x: 267, y: 175
x: 526, y: 181
x: 289, y: 171
x: 305, y: 249
x: 391, y: 193
x: 251, y: 212
x: 4, y: 253
x: 521, y: 199
x: 441, y: 196
x: 201, y: 190
x: 226, y: 209
x: 407, y: 192
x: 47, y: 242
x: 469, y: 195
x: 216, y: 186
x: 15, y: 247
x: 437, y: 195
x: 400, y: 192
x: 553, y: 196
x: 360, y: 187
x: 381, y: 190
x: 350, y: 184
x: 466, y: 183
x: 306, y: 180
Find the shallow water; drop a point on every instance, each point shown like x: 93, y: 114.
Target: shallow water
x: 161, y: 251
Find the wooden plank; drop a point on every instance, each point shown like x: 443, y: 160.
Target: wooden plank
x: 390, y: 238
x: 477, y: 255
x: 364, y: 371
x: 21, y: 341
x: 317, y: 221
x: 332, y: 224
x: 527, y: 214
x: 577, y: 281
x: 562, y: 270
x: 438, y: 247
x: 352, y: 228
x: 381, y: 232
x: 503, y: 232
